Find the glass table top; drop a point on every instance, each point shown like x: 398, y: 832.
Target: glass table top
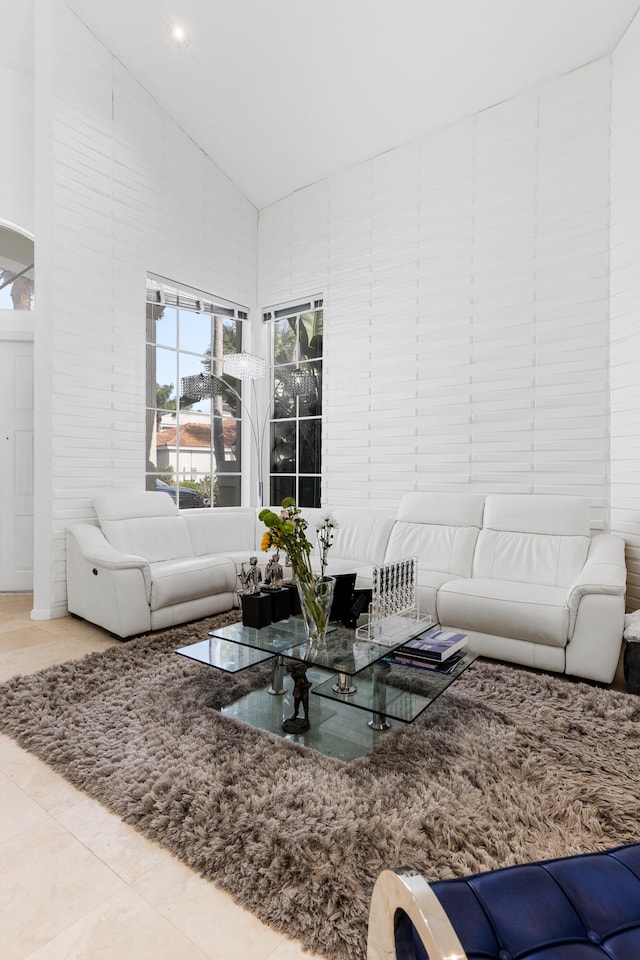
x: 340, y: 650
x: 227, y: 656
x: 395, y: 690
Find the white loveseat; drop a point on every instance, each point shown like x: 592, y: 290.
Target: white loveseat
x: 519, y: 573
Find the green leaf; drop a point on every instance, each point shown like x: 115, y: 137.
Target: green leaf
x: 312, y: 324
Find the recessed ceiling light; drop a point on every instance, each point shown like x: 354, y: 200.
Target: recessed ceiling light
x: 178, y: 34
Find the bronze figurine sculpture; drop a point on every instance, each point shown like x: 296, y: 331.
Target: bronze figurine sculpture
x: 301, y: 685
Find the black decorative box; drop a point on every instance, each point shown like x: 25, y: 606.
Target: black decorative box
x: 256, y: 610
x: 294, y: 599
x: 280, y: 604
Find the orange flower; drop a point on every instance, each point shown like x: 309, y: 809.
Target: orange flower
x: 265, y: 543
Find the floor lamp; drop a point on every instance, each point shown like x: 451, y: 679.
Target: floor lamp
x: 247, y: 367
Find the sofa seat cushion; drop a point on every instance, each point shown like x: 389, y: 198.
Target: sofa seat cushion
x: 429, y: 583
x: 508, y: 608
x: 177, y: 581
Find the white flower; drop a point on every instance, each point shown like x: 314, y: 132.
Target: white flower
x: 325, y: 530
x: 327, y: 521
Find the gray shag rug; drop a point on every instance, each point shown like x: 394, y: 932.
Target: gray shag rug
x: 507, y: 766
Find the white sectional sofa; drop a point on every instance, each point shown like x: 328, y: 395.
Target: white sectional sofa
x: 519, y: 573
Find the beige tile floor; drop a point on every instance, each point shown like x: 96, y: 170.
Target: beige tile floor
x: 75, y: 882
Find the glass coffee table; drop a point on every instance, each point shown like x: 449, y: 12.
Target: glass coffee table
x: 358, y: 690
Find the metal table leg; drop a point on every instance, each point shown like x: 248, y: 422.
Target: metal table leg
x: 379, y: 719
x: 277, y: 677
x: 345, y: 684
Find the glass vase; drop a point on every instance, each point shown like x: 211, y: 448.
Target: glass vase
x: 315, y: 600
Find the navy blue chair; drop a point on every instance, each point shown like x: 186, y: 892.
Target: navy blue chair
x: 584, y: 907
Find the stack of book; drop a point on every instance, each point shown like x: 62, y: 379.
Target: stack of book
x: 433, y: 649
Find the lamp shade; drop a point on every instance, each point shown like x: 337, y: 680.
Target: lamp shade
x: 299, y: 383
x: 244, y: 366
x: 199, y: 387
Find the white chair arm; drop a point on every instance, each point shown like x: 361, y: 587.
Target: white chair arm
x: 96, y: 551
x: 604, y: 572
x: 405, y: 889
x: 105, y: 586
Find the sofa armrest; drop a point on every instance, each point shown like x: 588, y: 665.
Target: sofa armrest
x: 105, y: 586
x: 604, y: 572
x: 400, y: 892
x: 94, y: 548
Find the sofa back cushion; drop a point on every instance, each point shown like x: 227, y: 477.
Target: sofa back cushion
x: 440, y: 529
x: 222, y: 530
x: 360, y: 534
x: 144, y: 523
x: 533, y: 539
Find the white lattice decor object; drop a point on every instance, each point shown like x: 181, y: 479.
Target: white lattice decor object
x: 393, y: 612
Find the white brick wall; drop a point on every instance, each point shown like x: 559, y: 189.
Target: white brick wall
x: 625, y: 305
x: 130, y: 193
x: 466, y: 302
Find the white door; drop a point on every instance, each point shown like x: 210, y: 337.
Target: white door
x: 16, y: 465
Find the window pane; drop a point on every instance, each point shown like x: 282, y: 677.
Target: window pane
x: 310, y: 443
x: 166, y: 377
x: 195, y: 448
x: 227, y: 338
x: 194, y: 331
x: 164, y: 319
x: 284, y: 340
x: 283, y: 447
x: 310, y: 334
x: 201, y: 486
x: 309, y: 492
x: 228, y: 404
x: 284, y: 405
x: 190, y: 366
x: 281, y: 488
x: 166, y: 444
x: 228, y: 490
x: 232, y: 335
x: 207, y: 487
x: 226, y: 441
x: 310, y: 405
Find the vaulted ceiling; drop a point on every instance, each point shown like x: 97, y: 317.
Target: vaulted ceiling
x: 282, y: 93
